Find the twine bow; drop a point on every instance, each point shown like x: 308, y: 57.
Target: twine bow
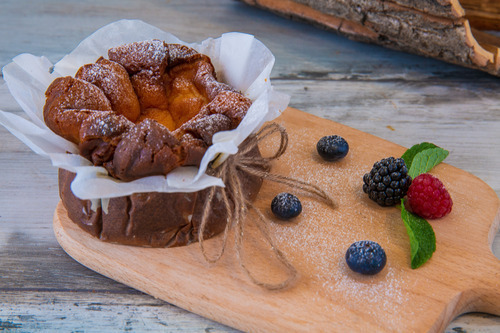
x: 246, y: 162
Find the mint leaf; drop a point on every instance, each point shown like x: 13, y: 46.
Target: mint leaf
x: 426, y: 160
x: 419, y: 159
x: 422, y: 237
x: 414, y: 150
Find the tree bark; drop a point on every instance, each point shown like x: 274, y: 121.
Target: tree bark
x: 441, y: 29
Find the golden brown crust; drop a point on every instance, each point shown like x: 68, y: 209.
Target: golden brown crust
x: 114, y: 82
x: 149, y: 109
x: 150, y: 90
x: 185, y: 99
x: 137, y: 56
x: 69, y: 102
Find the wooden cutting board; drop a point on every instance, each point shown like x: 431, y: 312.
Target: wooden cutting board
x: 462, y: 276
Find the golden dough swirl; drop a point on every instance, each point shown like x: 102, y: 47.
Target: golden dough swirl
x: 148, y: 109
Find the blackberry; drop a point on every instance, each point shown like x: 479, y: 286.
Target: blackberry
x: 366, y: 257
x: 286, y: 206
x: 332, y: 148
x: 387, y: 182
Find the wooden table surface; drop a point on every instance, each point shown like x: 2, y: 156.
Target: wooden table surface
x: 402, y: 98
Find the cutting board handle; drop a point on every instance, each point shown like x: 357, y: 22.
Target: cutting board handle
x: 484, y: 294
x: 488, y: 287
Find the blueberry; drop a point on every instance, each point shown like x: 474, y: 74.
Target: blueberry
x: 286, y: 206
x: 366, y: 257
x: 332, y: 148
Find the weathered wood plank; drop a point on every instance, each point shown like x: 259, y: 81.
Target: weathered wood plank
x: 290, y: 41
x: 57, y: 311
x: 96, y: 312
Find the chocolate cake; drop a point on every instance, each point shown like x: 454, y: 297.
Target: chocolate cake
x: 148, y: 109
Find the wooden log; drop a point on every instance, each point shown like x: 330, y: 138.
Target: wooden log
x: 440, y: 29
x: 482, y: 14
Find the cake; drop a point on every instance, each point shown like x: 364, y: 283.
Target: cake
x: 148, y: 109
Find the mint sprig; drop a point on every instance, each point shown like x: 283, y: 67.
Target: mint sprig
x: 414, y: 150
x: 422, y: 237
x: 425, y: 160
x: 419, y: 159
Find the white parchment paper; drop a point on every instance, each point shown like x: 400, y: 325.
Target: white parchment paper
x: 240, y: 60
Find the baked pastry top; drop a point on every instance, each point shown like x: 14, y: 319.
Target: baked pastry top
x: 146, y: 110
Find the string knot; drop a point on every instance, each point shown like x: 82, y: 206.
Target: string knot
x: 249, y: 162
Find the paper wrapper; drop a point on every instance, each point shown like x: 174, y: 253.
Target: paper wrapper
x: 239, y: 59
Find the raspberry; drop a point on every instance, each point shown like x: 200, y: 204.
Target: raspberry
x: 428, y: 198
x: 387, y: 182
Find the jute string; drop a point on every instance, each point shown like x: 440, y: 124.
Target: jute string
x: 230, y: 171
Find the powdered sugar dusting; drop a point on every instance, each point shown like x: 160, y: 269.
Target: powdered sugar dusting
x: 155, y: 50
x: 320, y: 236
x: 140, y: 55
x: 104, y: 79
x: 106, y: 124
x: 83, y: 95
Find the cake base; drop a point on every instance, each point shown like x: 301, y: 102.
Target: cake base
x: 152, y: 219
